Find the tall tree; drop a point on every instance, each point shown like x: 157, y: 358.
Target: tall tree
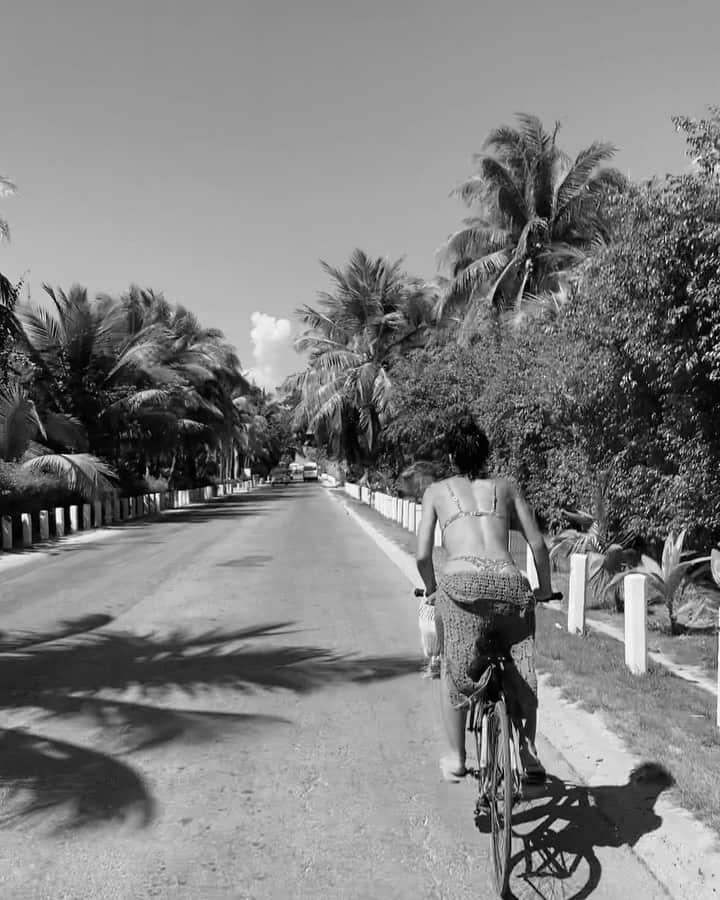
x: 537, y: 214
x: 373, y: 311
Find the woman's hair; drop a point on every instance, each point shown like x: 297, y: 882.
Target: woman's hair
x: 468, y: 445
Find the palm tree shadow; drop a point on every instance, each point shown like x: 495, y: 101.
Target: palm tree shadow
x: 560, y: 833
x: 79, y: 674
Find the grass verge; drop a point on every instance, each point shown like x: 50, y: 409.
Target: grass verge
x: 658, y: 715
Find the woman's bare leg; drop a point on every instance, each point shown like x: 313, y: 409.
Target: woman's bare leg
x: 454, y: 722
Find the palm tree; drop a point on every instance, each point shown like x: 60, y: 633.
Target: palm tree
x: 186, y: 379
x: 20, y: 425
x: 7, y: 188
x: 537, y: 215
x: 8, y: 293
x: 373, y: 312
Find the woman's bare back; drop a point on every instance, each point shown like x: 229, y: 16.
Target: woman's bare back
x: 474, y: 515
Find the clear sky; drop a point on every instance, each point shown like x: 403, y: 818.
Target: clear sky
x: 217, y: 150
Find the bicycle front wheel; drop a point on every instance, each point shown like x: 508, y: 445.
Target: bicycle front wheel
x: 500, y: 794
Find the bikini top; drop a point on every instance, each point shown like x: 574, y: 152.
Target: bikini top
x: 468, y: 513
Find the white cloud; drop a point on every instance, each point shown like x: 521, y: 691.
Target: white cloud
x: 271, y: 341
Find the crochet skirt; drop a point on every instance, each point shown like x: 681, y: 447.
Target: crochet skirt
x: 491, y: 595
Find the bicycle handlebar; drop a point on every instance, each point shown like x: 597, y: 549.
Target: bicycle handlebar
x: 556, y: 595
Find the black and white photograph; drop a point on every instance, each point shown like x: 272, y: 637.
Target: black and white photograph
x: 359, y: 450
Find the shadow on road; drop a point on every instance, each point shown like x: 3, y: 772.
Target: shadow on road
x: 561, y: 830
x: 77, y: 674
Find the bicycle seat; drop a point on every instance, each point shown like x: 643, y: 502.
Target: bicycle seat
x: 490, y: 651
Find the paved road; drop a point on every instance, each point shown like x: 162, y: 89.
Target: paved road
x: 225, y: 703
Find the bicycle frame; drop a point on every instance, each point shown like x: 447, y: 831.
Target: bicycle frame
x: 484, y: 711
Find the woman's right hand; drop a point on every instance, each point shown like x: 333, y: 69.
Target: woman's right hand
x: 546, y: 598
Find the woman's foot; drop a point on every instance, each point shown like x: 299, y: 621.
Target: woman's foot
x: 452, y: 768
x: 534, y: 771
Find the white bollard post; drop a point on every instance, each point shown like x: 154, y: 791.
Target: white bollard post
x: 411, y: 516
x: 73, y: 518
x: 87, y: 516
x: 438, y: 535
x: 418, y: 517
x: 97, y: 514
x: 59, y: 521
x: 635, y: 623
x: 6, y: 523
x: 530, y: 569
x: 26, y: 529
x: 576, y: 593
x: 44, y: 525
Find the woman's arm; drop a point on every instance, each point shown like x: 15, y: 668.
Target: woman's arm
x: 426, y: 541
x: 525, y: 518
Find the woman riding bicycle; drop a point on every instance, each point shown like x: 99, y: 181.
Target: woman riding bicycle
x: 480, y: 589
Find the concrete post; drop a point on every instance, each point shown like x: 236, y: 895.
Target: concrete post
x: 635, y: 623
x: 418, y: 517
x: 97, y: 514
x: 59, y: 521
x: 73, y: 518
x: 26, y: 523
x: 530, y: 569
x: 6, y: 524
x: 44, y: 525
x: 87, y: 516
x: 411, y: 516
x: 576, y: 593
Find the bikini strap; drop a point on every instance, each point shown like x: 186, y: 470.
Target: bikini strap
x: 453, y: 496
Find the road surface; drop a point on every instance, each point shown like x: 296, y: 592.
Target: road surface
x: 225, y: 703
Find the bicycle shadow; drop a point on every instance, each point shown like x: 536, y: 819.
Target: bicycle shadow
x: 563, y: 825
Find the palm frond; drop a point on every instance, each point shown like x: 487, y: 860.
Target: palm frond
x: 80, y: 472
x: 66, y: 431
x: 19, y: 421
x: 586, y: 162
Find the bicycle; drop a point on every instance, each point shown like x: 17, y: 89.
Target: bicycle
x: 499, y: 770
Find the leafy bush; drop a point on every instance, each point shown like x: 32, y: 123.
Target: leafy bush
x: 24, y: 491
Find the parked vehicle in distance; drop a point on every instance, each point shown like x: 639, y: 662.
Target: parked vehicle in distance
x: 310, y: 471
x: 296, y: 472
x: 279, y: 476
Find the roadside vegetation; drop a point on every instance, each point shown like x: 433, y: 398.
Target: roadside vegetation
x: 129, y: 393
x: 575, y: 314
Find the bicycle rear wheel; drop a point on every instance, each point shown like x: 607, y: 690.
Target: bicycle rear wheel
x: 500, y: 794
